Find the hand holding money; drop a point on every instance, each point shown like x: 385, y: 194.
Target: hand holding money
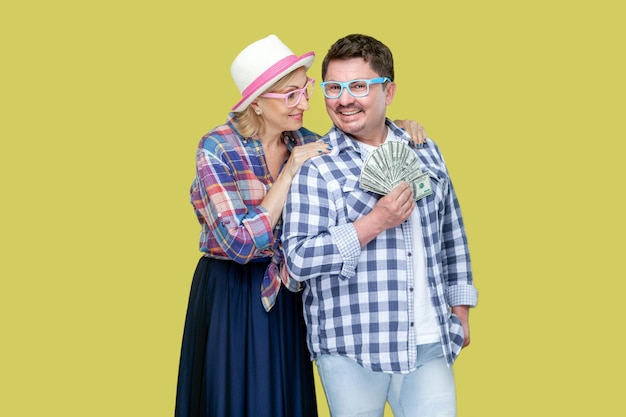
x: 390, y: 211
x: 396, y: 206
x: 390, y: 164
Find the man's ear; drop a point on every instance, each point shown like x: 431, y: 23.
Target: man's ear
x: 390, y: 92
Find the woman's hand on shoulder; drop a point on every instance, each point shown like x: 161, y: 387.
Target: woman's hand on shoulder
x: 302, y: 153
x: 414, y: 130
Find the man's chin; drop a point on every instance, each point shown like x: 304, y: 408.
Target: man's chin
x: 348, y: 124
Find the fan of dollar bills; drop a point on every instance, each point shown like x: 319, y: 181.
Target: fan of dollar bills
x: 389, y: 165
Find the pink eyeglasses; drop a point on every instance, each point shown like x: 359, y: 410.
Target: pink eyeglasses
x: 292, y: 98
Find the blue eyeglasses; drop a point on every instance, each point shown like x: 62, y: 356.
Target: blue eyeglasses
x: 357, y: 88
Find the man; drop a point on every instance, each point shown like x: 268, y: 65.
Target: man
x: 389, y: 282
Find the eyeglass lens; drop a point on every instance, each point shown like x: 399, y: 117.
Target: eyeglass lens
x: 295, y: 96
x: 356, y: 88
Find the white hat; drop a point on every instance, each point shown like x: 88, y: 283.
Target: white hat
x: 261, y: 64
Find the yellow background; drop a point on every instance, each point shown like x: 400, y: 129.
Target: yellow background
x: 103, y: 104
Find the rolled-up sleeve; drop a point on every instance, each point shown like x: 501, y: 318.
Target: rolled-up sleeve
x: 314, y: 244
x: 347, y: 241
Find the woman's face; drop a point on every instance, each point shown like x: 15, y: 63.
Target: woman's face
x: 277, y: 116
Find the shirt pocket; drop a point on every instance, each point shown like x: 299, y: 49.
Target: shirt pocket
x: 357, y: 201
x: 439, y: 182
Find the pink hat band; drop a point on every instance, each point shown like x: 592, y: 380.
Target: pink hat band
x: 271, y: 72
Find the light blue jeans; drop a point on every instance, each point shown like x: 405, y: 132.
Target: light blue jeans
x: 353, y: 391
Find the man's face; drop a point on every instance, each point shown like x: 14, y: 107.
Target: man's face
x: 363, y: 118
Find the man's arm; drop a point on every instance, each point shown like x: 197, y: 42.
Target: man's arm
x: 312, y: 240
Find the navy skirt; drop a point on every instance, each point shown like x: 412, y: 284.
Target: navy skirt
x: 237, y: 360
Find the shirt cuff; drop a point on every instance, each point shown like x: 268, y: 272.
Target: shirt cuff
x: 347, y: 241
x: 462, y: 295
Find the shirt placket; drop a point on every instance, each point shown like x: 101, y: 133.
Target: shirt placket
x: 407, y: 233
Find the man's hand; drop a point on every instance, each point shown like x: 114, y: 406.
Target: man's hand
x: 462, y: 312
x: 391, y: 211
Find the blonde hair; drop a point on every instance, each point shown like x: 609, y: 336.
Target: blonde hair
x: 249, y: 123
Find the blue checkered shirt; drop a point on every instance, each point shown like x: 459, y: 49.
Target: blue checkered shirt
x: 358, y: 301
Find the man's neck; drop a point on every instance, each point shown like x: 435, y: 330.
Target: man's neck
x: 376, y: 139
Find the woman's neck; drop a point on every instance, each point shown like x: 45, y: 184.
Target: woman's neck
x: 270, y: 138
x: 275, y: 152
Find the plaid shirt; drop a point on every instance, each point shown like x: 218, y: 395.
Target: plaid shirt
x: 359, y: 301
x: 230, y: 183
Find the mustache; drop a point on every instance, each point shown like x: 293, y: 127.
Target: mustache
x: 341, y: 108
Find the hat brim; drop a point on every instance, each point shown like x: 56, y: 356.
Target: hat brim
x: 305, y: 61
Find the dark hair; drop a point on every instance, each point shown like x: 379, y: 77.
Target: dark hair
x: 361, y: 46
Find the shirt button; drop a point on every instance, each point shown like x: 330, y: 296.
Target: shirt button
x: 411, y: 289
x: 409, y: 254
x: 411, y: 324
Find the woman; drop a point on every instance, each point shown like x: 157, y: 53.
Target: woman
x: 244, y: 347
